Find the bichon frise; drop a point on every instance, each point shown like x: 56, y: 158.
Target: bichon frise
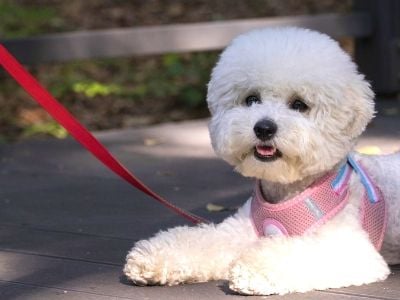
x: 287, y: 105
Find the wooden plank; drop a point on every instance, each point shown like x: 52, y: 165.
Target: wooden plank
x: 106, y: 281
x: 74, y: 246
x: 171, y: 38
x: 63, y: 274
x: 388, y: 289
x: 22, y: 291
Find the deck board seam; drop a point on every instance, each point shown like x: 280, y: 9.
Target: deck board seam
x: 29, y: 227
x: 60, y: 257
x: 356, y: 294
x: 62, y: 289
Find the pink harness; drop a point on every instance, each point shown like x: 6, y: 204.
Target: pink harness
x: 319, y: 203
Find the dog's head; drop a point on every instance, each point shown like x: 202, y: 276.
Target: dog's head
x: 286, y: 103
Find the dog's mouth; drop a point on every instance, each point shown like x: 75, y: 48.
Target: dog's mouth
x: 267, y: 153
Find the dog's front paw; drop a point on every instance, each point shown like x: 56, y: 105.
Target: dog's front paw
x: 144, y: 268
x: 160, y: 261
x: 246, y: 280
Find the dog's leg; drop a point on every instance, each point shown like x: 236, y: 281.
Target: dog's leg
x: 331, y: 259
x: 190, y: 254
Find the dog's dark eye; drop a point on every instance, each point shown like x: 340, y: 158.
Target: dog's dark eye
x: 252, y: 99
x: 298, y: 105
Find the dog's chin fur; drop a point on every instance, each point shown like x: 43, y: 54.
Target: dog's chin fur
x: 279, y: 65
x: 278, y: 171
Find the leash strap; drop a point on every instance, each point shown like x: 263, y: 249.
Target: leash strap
x: 78, y: 131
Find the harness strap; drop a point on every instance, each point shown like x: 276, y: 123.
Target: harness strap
x: 373, y: 213
x: 79, y: 132
x: 373, y: 194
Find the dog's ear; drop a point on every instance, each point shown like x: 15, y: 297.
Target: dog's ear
x: 362, y: 106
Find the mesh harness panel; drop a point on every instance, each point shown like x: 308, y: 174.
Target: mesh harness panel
x: 319, y: 203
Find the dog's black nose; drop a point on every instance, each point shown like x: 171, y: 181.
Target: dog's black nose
x: 265, y: 129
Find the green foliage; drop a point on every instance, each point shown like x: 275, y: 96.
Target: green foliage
x: 192, y: 96
x: 172, y: 77
x: 94, y: 88
x: 183, y: 77
x: 173, y: 65
x: 22, y: 20
x: 51, y: 128
x: 99, y: 87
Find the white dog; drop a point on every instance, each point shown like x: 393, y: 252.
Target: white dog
x: 287, y: 105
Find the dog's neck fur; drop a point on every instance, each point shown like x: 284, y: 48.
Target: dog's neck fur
x: 275, y: 192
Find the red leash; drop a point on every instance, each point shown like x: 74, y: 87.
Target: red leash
x: 78, y: 131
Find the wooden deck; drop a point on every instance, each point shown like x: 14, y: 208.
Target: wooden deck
x: 66, y: 223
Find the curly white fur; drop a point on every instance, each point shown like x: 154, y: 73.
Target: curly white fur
x: 278, y: 65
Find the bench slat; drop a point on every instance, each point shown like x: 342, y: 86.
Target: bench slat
x: 170, y: 38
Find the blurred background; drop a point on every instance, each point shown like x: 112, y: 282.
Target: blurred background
x: 123, y: 92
